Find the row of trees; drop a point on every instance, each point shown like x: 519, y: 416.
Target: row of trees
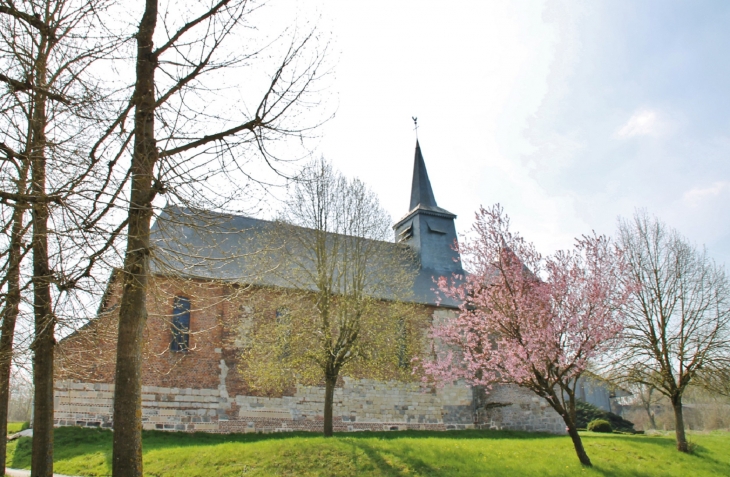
x: 102, y: 113
x: 648, y: 309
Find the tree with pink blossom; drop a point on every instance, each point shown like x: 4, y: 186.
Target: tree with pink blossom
x: 537, y: 322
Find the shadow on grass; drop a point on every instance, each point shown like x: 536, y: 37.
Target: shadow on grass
x: 384, y: 465
x: 21, y: 456
x: 666, y: 443
x: 69, y: 442
x: 654, y: 440
x: 72, y: 442
x: 162, y: 438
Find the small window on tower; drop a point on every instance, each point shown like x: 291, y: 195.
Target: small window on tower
x: 406, y: 233
x: 435, y: 228
x: 180, y: 324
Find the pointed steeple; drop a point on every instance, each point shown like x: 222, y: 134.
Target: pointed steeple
x: 430, y: 232
x: 421, y: 192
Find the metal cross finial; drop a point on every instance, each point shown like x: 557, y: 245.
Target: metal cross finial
x: 415, y: 123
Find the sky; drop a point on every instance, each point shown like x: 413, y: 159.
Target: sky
x: 568, y: 113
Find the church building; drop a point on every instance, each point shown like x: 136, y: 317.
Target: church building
x: 200, y: 318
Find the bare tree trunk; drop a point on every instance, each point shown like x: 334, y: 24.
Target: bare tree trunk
x: 127, y: 447
x: 652, y: 420
x: 649, y: 412
x: 647, y: 406
x: 44, y: 342
x: 329, y: 397
x: 679, y: 424
x: 10, y: 315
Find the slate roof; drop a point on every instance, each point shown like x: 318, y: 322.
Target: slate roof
x: 220, y: 246
x: 422, y: 197
x: 217, y: 246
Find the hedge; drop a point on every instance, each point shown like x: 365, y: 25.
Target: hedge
x: 586, y: 413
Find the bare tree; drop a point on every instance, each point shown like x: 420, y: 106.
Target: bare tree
x: 21, y: 396
x: 340, y: 307
x: 177, y: 144
x: 679, y: 317
x: 11, y: 300
x: 47, y: 48
x: 715, y: 378
x: 647, y: 397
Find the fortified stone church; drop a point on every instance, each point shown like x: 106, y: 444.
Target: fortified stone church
x: 197, y: 328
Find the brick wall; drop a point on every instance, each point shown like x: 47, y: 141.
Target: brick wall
x: 89, y: 354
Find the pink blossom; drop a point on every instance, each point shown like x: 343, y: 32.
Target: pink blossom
x: 525, y: 318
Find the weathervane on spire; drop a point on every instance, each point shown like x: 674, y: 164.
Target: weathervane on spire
x: 415, y: 123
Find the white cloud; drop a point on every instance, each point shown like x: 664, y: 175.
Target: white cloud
x: 699, y: 194
x: 643, y: 122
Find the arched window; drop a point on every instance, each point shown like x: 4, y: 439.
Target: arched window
x: 180, y: 324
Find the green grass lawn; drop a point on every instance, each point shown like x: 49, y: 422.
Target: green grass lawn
x: 14, y: 427
x: 462, y: 453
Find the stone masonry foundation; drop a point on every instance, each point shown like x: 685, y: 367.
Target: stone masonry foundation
x: 359, y: 405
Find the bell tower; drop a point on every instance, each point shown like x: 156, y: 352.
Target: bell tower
x: 428, y: 228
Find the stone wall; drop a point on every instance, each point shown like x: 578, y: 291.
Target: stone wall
x: 358, y: 405
x: 83, y: 404
x: 518, y: 409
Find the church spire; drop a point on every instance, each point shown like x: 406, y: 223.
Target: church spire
x: 421, y: 192
x: 430, y: 232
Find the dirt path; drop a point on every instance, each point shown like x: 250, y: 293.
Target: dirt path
x: 25, y: 473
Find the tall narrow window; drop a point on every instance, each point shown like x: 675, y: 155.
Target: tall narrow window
x: 180, y: 324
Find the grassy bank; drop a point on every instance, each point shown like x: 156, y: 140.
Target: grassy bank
x: 14, y: 427
x: 88, y: 452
